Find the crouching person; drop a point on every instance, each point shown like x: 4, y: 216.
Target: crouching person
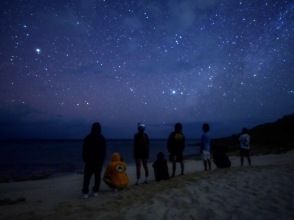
x: 160, y: 168
x: 115, y: 175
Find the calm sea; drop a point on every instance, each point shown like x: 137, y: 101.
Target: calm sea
x: 29, y: 158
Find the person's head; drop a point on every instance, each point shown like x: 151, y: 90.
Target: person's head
x: 205, y: 127
x: 244, y: 130
x: 96, y: 128
x: 116, y: 157
x: 178, y: 127
x: 141, y: 127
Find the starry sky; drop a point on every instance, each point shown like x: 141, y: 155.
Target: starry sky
x: 67, y: 63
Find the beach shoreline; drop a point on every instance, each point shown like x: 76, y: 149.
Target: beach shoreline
x: 45, y: 174
x: 59, y: 197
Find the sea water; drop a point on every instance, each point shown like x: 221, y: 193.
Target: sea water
x: 24, y: 158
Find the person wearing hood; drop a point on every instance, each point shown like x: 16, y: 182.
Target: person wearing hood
x: 115, y: 175
x: 160, y: 168
x: 94, y: 153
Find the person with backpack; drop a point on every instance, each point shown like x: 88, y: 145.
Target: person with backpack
x: 175, y: 147
x: 141, y: 152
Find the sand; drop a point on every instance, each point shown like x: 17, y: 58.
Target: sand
x: 262, y: 191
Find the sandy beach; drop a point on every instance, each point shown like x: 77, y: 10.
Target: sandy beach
x: 263, y: 191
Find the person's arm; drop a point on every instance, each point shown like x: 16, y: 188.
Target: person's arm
x: 147, y: 143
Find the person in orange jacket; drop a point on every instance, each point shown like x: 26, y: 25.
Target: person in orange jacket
x: 115, y: 175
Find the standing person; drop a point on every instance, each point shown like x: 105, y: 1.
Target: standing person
x: 94, y: 153
x: 205, y: 146
x: 141, y: 152
x: 244, y: 140
x: 175, y: 146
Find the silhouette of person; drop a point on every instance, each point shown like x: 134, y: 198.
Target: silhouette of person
x: 94, y: 153
x: 175, y: 146
x: 244, y: 141
x: 141, y: 152
x: 160, y: 168
x: 205, y: 146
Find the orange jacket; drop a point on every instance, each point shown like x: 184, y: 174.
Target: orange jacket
x: 115, y: 174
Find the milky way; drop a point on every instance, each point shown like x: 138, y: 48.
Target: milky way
x: 65, y: 64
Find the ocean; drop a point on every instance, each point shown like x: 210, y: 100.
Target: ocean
x: 25, y: 159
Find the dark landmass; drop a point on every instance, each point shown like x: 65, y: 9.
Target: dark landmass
x: 275, y: 137
x: 12, y: 201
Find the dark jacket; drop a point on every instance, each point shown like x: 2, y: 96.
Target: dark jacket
x: 94, y: 149
x: 176, y: 143
x: 141, y: 146
x: 160, y: 168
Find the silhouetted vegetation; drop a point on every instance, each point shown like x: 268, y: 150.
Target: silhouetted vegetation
x: 276, y: 137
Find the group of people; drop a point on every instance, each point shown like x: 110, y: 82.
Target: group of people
x: 115, y: 176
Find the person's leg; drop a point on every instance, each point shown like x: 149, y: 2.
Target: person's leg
x: 138, y: 170
x: 182, y: 167
x: 209, y: 164
x: 179, y: 159
x: 205, y: 159
x: 145, y: 166
x: 242, y: 157
x: 87, y: 176
x: 174, y: 167
x: 205, y: 164
x: 97, y: 178
x: 248, y: 158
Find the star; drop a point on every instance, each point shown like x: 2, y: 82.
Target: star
x: 119, y: 62
x: 38, y: 51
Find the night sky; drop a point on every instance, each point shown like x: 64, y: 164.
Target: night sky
x: 65, y: 64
